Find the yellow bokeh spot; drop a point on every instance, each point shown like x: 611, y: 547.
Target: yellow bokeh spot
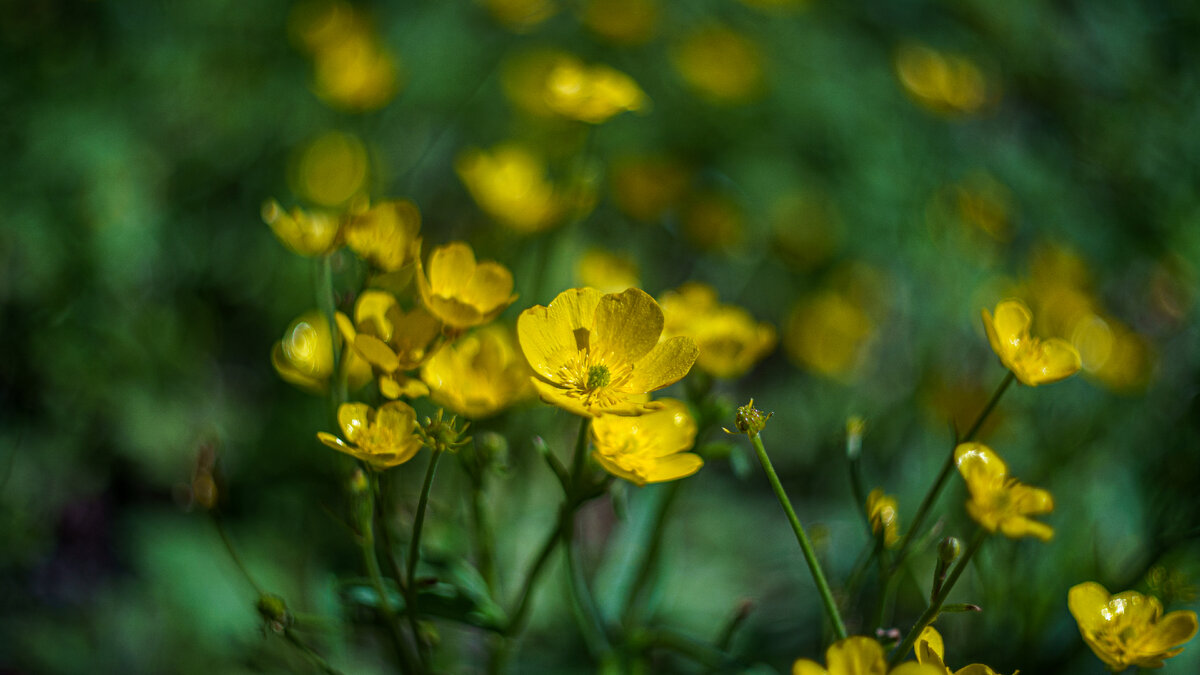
x: 943, y: 83
x: 521, y: 16
x: 352, y: 70
x: 721, y: 65
x: 827, y: 333
x: 646, y: 187
x: 627, y: 22
x: 712, y: 221
x: 509, y: 183
x: 331, y: 170
x: 606, y: 272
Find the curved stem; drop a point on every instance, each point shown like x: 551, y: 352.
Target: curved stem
x: 591, y: 622
x: 810, y: 555
x: 312, y: 655
x: 414, y: 549
x: 652, y: 545
x: 385, y: 604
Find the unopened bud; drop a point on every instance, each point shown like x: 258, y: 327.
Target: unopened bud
x: 358, y: 482
x: 855, y: 426
x: 949, y: 549
x: 274, y: 611
x: 749, y: 420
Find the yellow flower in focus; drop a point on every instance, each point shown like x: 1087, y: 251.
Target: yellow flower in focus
x: 385, y: 235
x: 930, y: 649
x: 859, y: 655
x: 509, y: 184
x: 521, y: 16
x: 461, y: 292
x: 352, y: 70
x: 606, y: 272
x: 331, y: 170
x: 391, y: 340
x: 942, y: 83
x: 479, y: 375
x: 998, y: 502
x: 721, y: 65
x: 881, y: 512
x: 629, y: 22
x: 1033, y: 361
x: 309, y: 234
x: 1128, y: 629
x: 828, y: 333
x: 304, y: 357
x: 590, y: 94
x: 593, y: 353
x: 730, y: 340
x: 383, y: 438
x: 645, y: 188
x: 650, y: 448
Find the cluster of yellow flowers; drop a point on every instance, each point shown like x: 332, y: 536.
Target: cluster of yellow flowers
x: 352, y: 70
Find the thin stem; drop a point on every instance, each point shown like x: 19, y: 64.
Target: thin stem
x: 237, y: 560
x: 579, y: 460
x: 810, y: 555
x: 935, y: 606
x: 385, y: 604
x: 591, y: 624
x: 414, y: 549
x: 482, y: 530
x: 517, y: 617
x: 385, y: 533
x: 309, y: 652
x: 947, y: 467
x: 652, y: 545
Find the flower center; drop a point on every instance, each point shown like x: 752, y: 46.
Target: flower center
x: 598, y: 376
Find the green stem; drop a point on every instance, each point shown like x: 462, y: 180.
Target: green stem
x: 935, y: 606
x: 385, y: 605
x: 591, y: 623
x: 309, y: 652
x: 237, y: 560
x: 517, y: 617
x: 652, y: 545
x: 482, y: 530
x: 385, y: 533
x: 947, y: 467
x: 810, y: 555
x: 579, y: 460
x: 414, y: 550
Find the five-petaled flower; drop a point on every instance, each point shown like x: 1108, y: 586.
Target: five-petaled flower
x: 382, y: 438
x: 650, y: 448
x: 858, y: 655
x: 594, y: 353
x: 306, y: 233
x: 1032, y: 360
x: 1128, y: 629
x: 461, y: 292
x: 385, y: 234
x: 931, y: 651
x: 998, y: 502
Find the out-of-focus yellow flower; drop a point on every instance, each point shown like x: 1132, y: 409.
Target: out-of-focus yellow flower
x: 331, y: 170
x: 807, y: 227
x: 629, y: 22
x: 942, y: 83
x: 1032, y: 360
x: 650, y: 448
x: 521, y: 16
x: 606, y: 272
x: 304, y: 357
x: 859, y: 655
x: 461, y: 292
x: 721, y: 65
x: 998, y: 502
x: 712, y: 221
x: 884, y: 518
x: 646, y: 187
x: 391, y: 340
x: 827, y: 333
x: 385, y: 235
x: 1128, y: 629
x: 730, y: 340
x: 931, y: 650
x: 309, y: 234
x: 383, y: 438
x: 352, y: 70
x: 593, y: 353
x: 590, y: 94
x: 509, y: 183
x: 479, y: 375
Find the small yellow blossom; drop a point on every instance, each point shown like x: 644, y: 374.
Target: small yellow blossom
x: 590, y: 94
x: 1128, y: 629
x: 606, y: 272
x: 391, y: 340
x: 593, y: 353
x: 309, y: 234
x: 998, y: 502
x: 479, y: 375
x: 521, y: 16
x: 721, y: 65
x: 461, y: 292
x: 931, y: 650
x: 1032, y: 360
x: 942, y: 83
x: 509, y: 184
x: 331, y: 170
x: 730, y: 340
x: 628, y: 22
x: 383, y: 438
x: 881, y: 511
x: 650, y: 448
x: 304, y: 357
x: 352, y: 69
x: 385, y: 234
x: 859, y: 655
x: 645, y: 188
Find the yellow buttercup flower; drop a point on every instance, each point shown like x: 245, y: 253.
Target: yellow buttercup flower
x: 859, y: 655
x: 383, y: 438
x: 881, y: 512
x: 606, y: 272
x: 352, y: 70
x: 650, y: 448
x: 730, y: 340
x: 460, y: 291
x: 309, y: 234
x: 509, y: 183
x: 304, y: 357
x: 998, y: 502
x: 942, y: 83
x: 931, y: 650
x: 590, y: 94
x: 479, y: 375
x: 385, y: 234
x: 1032, y: 360
x: 391, y: 340
x: 593, y: 353
x: 1128, y: 629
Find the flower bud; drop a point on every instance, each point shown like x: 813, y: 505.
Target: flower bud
x: 274, y: 611
x: 855, y: 426
x: 949, y: 549
x: 749, y: 420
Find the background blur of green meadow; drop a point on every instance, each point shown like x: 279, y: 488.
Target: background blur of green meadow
x: 866, y: 179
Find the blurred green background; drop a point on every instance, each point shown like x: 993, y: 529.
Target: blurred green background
x: 864, y: 177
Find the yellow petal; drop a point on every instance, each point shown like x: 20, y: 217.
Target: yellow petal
x: 1011, y: 323
x: 555, y: 396
x: 806, y: 667
x: 290, y: 374
x: 376, y: 352
x: 671, y: 426
x: 930, y: 647
x: 396, y: 417
x: 975, y: 669
x: 353, y: 418
x: 345, y: 327
x: 450, y: 268
x: 491, y: 285
x: 666, y: 364
x: 453, y: 312
x: 1057, y: 359
x: 1087, y: 601
x: 1031, y: 500
x: 979, y: 464
x: 332, y: 441
x: 1017, y: 527
x: 856, y: 656
x: 674, y: 467
x: 371, y: 313
x: 1173, y: 629
x: 608, y: 464
x: 549, y: 336
x: 628, y: 326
